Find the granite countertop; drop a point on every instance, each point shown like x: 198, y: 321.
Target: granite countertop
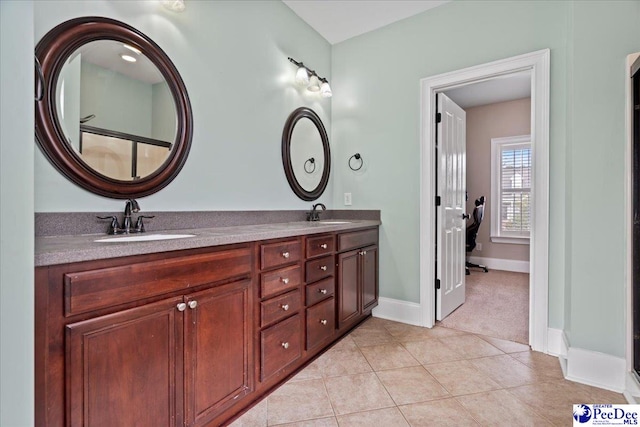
x: 52, y: 250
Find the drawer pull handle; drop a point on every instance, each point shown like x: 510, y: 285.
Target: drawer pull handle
x: 285, y: 280
x: 285, y: 307
x: 182, y: 306
x: 193, y: 304
x: 323, y: 267
x: 364, y: 252
x: 324, y: 246
x: 285, y: 345
x: 322, y: 291
x: 285, y: 254
x: 323, y: 321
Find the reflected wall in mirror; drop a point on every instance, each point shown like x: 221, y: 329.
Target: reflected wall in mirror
x: 115, y: 117
x: 305, y: 154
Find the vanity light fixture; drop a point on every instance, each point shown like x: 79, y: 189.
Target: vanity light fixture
x: 174, y: 5
x: 309, y: 78
x: 128, y: 58
x: 132, y: 49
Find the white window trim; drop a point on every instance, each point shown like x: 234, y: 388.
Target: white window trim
x: 496, y: 236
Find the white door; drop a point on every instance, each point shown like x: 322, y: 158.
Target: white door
x: 451, y: 225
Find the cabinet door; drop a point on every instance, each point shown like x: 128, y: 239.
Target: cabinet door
x: 369, y: 278
x: 121, y: 368
x: 217, y: 350
x: 348, y: 289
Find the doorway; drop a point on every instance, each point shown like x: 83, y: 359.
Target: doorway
x: 538, y: 64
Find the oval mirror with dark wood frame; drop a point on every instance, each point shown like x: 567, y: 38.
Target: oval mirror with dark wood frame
x: 135, y: 156
x: 306, y: 156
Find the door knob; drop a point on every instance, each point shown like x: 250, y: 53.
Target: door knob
x: 465, y: 216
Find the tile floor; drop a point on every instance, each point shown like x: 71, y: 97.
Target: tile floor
x: 390, y: 374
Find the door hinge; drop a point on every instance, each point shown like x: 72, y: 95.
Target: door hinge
x: 437, y: 283
x: 438, y: 201
x: 438, y: 117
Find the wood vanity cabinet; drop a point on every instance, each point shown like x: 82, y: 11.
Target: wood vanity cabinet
x: 108, y: 354
x: 320, y: 290
x: 357, y: 276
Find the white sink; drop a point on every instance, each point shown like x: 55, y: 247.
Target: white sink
x: 142, y: 238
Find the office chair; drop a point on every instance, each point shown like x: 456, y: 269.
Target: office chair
x: 472, y: 233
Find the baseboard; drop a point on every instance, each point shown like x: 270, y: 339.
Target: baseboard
x: 632, y: 389
x: 556, y: 343
x: 501, y: 264
x: 399, y: 311
x: 596, y: 369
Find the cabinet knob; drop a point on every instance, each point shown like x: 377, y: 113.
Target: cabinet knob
x: 285, y: 254
x: 285, y: 307
x: 323, y: 321
x: 182, y: 306
x: 324, y: 246
x: 285, y: 345
x: 193, y: 304
x: 364, y: 252
x: 322, y: 291
x: 285, y: 280
x: 323, y: 267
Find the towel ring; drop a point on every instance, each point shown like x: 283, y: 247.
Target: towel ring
x: 312, y: 167
x: 356, y: 156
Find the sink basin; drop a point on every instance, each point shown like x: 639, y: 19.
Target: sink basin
x: 142, y: 238
x: 334, y: 222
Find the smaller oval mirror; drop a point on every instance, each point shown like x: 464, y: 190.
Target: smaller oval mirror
x: 305, y: 154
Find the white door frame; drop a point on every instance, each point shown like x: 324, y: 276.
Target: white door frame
x: 538, y: 62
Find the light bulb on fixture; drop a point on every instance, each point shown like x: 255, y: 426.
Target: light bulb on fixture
x: 174, y: 5
x: 314, y: 84
x: 325, y: 89
x: 302, y: 76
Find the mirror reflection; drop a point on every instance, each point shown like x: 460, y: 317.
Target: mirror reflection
x: 307, y: 154
x: 116, y: 110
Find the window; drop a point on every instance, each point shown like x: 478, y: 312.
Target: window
x: 511, y: 178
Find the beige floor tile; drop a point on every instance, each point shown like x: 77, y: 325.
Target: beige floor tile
x: 388, y: 356
x: 404, y: 332
x: 499, y: 408
x: 504, y: 345
x: 461, y: 377
x: 411, y: 385
x: 470, y: 346
x: 357, y: 393
x: 556, y: 398
x: 298, y: 401
x: 432, y: 351
x: 254, y: 417
x: 371, y: 336
x: 310, y: 372
x: 390, y: 417
x: 320, y: 422
x: 342, y: 362
x: 438, y: 413
x: 542, y: 363
x: 507, y: 371
x: 346, y: 343
x: 376, y: 322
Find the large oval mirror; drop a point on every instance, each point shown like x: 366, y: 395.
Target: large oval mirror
x: 305, y: 154
x: 115, y: 117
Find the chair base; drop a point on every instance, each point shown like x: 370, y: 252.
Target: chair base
x: 472, y: 265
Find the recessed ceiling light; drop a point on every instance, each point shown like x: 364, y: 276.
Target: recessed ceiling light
x: 128, y: 58
x: 174, y: 5
x: 132, y: 49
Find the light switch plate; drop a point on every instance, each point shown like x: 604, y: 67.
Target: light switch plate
x: 347, y: 199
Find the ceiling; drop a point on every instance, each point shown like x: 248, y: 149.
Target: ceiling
x: 339, y: 20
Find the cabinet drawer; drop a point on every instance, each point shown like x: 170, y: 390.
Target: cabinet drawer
x: 277, y: 254
x: 279, y: 307
x: 274, y: 282
x: 357, y: 239
x: 280, y: 345
x: 320, y: 322
x: 320, y: 290
x: 91, y: 290
x: 319, y: 268
x: 320, y: 245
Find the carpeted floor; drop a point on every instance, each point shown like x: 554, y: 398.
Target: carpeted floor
x: 497, y: 305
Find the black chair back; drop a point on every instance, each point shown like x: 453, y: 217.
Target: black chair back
x: 472, y: 229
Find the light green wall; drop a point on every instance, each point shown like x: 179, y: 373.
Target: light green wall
x: 232, y: 56
x: 16, y: 213
x: 376, y: 111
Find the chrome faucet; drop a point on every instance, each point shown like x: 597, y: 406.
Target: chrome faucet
x: 314, y: 215
x: 130, y: 206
